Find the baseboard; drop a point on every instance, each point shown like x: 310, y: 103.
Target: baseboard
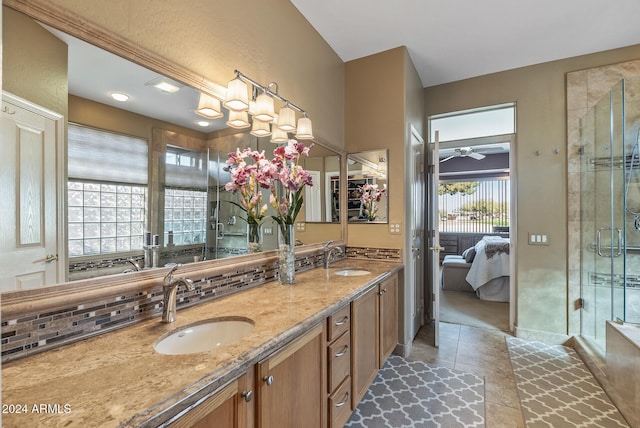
x: 403, y: 349
x: 542, y: 336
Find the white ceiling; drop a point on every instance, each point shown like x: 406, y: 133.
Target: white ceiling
x: 450, y: 40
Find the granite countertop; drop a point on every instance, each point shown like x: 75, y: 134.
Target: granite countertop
x: 117, y: 379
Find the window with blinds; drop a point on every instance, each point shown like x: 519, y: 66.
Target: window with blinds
x: 185, y: 196
x: 107, y: 191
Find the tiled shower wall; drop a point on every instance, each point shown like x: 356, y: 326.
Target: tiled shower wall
x: 31, y: 333
x: 584, y: 89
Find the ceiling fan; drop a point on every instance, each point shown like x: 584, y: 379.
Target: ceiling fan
x: 463, y: 152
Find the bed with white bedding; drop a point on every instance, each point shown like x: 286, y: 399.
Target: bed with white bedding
x: 489, y: 271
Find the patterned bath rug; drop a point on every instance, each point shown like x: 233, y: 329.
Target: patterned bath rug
x: 556, y: 389
x: 413, y: 394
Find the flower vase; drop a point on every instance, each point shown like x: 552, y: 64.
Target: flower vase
x: 286, y: 254
x: 255, y: 238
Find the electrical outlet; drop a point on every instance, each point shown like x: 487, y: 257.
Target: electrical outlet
x: 300, y: 227
x: 394, y: 228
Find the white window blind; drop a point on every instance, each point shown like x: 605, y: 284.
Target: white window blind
x: 185, y: 169
x: 104, y: 156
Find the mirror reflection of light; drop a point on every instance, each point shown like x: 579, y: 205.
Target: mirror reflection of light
x: 119, y: 96
x: 203, y: 123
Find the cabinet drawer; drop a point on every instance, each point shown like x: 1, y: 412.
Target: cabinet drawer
x: 338, y: 323
x: 340, y: 404
x: 339, y: 359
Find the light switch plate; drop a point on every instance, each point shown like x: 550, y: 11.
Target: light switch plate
x: 300, y: 227
x: 536, y: 238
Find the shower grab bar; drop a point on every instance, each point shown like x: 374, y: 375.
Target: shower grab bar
x: 599, y: 247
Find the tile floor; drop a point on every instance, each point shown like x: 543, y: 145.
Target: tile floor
x: 482, y: 352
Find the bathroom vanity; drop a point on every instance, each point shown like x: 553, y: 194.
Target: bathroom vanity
x: 309, y: 346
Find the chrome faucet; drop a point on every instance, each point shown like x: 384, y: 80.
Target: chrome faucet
x: 134, y: 263
x: 329, y: 253
x: 170, y: 290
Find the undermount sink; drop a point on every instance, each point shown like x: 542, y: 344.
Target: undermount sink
x: 352, y: 272
x: 204, y: 336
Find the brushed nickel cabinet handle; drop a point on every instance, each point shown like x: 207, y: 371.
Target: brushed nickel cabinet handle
x: 268, y: 380
x: 344, y: 351
x: 343, y: 402
x: 344, y: 321
x: 247, y: 395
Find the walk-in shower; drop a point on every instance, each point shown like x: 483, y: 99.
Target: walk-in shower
x: 610, y: 211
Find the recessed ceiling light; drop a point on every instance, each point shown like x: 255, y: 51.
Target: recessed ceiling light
x: 164, y: 85
x: 119, y: 96
x: 203, y: 123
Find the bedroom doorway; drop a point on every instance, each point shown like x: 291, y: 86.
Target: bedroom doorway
x: 475, y: 193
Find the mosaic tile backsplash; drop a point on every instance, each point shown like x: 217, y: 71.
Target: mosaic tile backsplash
x: 37, y: 332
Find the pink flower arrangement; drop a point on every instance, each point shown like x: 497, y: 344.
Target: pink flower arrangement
x: 293, y: 178
x: 249, y: 178
x: 370, y: 194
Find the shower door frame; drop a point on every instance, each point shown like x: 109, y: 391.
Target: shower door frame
x: 602, y: 212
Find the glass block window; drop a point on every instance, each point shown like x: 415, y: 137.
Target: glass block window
x: 105, y: 218
x: 185, y: 216
x: 107, y: 191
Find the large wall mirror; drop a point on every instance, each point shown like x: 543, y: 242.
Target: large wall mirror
x: 367, y: 192
x: 173, y: 195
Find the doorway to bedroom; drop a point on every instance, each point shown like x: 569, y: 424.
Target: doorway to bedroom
x: 474, y: 193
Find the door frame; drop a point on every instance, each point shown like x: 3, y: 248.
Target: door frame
x: 513, y: 204
x: 61, y: 176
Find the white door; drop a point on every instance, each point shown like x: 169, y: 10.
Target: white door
x: 312, y: 200
x: 435, y: 248
x: 29, y: 249
x: 416, y: 234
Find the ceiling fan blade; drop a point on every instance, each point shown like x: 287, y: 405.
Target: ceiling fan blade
x: 446, y: 159
x: 476, y: 156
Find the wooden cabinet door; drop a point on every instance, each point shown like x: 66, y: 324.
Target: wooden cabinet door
x: 292, y: 384
x: 365, y: 338
x: 231, y: 407
x: 388, y: 291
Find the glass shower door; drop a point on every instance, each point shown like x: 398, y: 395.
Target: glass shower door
x: 602, y: 232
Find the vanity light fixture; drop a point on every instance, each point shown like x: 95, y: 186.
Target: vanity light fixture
x: 237, y: 98
x: 260, y: 128
x: 287, y: 116
x: 238, y: 119
x: 304, y: 131
x: 209, y: 106
x: 119, y: 96
x: 279, y: 136
x: 287, y: 119
x: 264, y: 108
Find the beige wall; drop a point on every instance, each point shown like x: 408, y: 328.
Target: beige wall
x: 37, y: 74
x: 539, y: 91
x: 375, y: 119
x: 266, y: 40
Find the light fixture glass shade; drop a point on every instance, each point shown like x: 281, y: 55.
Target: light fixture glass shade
x: 209, y: 107
x: 238, y: 119
x: 305, y: 131
x: 252, y: 107
x: 264, y: 108
x: 279, y: 136
x: 260, y: 128
x: 287, y: 119
x: 237, y: 98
